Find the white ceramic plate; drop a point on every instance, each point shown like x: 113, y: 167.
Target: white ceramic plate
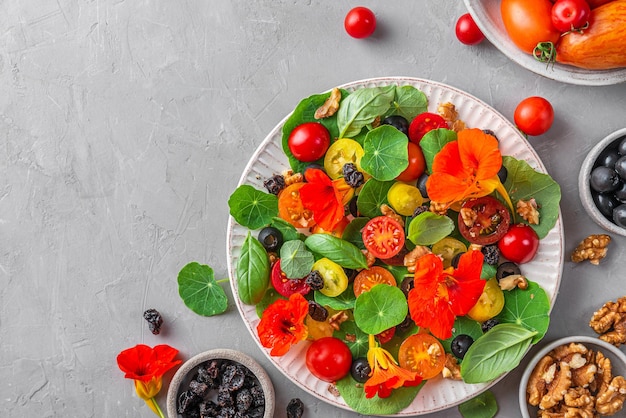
x: 487, y: 15
x: 546, y: 268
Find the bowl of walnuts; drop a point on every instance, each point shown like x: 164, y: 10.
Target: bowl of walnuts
x: 580, y: 375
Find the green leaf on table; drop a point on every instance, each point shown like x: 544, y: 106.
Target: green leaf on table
x: 408, y: 102
x: 355, y: 339
x: 354, y: 395
x: 252, y: 208
x: 433, y: 142
x: 199, y: 290
x: 361, y: 107
x: 481, y: 406
x: 380, y: 308
x: 498, y: 351
x: 427, y: 228
x: 353, y: 234
x: 525, y: 183
x: 386, y: 153
x: 463, y: 325
x: 295, y: 260
x: 529, y: 308
x: 373, y: 194
x: 342, y: 302
x: 253, y: 271
x: 340, y: 251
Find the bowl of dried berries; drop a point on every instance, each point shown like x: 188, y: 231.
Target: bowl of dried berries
x: 580, y: 375
x: 220, y: 382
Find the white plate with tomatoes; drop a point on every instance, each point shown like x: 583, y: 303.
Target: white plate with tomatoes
x: 545, y: 268
x: 488, y: 17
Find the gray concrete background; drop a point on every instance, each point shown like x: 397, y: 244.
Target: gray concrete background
x: 124, y: 127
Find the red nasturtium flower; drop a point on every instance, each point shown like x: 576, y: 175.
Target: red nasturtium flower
x: 326, y: 198
x: 282, y: 324
x: 466, y: 168
x: 439, y: 295
x: 146, y: 366
x: 386, y: 375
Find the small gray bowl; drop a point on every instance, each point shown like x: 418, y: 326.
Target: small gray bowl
x: 617, y: 357
x: 187, y: 371
x: 584, y: 190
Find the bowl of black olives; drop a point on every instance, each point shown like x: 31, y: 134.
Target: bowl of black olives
x: 602, y: 183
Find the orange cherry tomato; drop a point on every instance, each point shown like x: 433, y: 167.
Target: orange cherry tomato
x: 423, y: 354
x: 368, y: 278
x: 290, y: 207
x: 529, y: 22
x: 417, y: 164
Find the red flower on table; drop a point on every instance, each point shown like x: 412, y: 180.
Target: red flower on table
x: 146, y: 366
x: 439, y: 295
x: 326, y: 198
x: 282, y: 324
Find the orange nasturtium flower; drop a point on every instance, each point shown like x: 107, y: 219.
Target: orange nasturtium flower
x: 466, y: 168
x: 282, y: 324
x: 386, y: 375
x: 146, y: 366
x: 326, y: 198
x: 439, y: 295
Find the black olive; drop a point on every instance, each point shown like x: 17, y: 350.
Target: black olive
x: 603, y: 179
x: 605, y: 203
x: 620, y: 167
x: 608, y: 158
x: 490, y: 132
x: 398, y: 122
x: 421, y: 185
x: 621, y: 148
x: 352, y: 207
x: 620, y: 194
x: 619, y: 215
x: 455, y: 260
x: 503, y: 173
x: 360, y: 369
x: 313, y: 165
x: 507, y: 268
x: 460, y: 344
x: 271, y: 238
x: 406, y: 285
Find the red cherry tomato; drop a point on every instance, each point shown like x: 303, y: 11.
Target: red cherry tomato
x: 329, y: 359
x: 360, y: 22
x: 424, y: 123
x: 569, y: 15
x: 492, y: 220
x: 528, y: 22
x: 417, y: 164
x: 534, y: 115
x: 383, y: 237
x: 519, y: 244
x: 309, y: 141
x: 467, y: 31
x: 287, y: 287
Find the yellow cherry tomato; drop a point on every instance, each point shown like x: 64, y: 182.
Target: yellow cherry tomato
x: 448, y: 248
x: 335, y: 278
x: 404, y: 198
x: 490, y: 303
x: 341, y: 152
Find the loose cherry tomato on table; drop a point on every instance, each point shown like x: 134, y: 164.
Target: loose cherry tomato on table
x: 360, y: 22
x: 528, y: 22
x: 568, y: 15
x: 290, y: 207
x: 423, y: 354
x: 285, y: 286
x: 424, y: 123
x: 368, y: 278
x: 329, y: 359
x: 309, y: 141
x: 483, y: 220
x: 467, y: 31
x: 519, y: 244
x: 534, y: 115
x: 383, y: 237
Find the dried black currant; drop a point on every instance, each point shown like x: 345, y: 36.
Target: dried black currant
x: 491, y: 253
x: 274, y: 184
x: 420, y: 209
x: 187, y: 400
x: 257, y: 395
x: 209, y: 409
x: 317, y: 312
x: 224, y: 396
x: 234, y: 377
x: 154, y: 320
x: 352, y: 176
x: 295, y: 408
x: 243, y: 400
x: 198, y: 388
x: 315, y: 280
x: 488, y: 324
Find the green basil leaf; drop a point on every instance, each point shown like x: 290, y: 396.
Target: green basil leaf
x: 488, y: 271
x: 432, y: 143
x: 529, y: 308
x: 524, y: 183
x: 354, y: 395
x: 481, y: 406
x: 361, y: 108
x: 373, y: 194
x: 463, y: 325
x: 336, y: 249
x: 409, y: 102
x: 253, y: 271
x: 386, y: 153
x: 199, y: 290
x: 288, y: 231
x: 295, y: 260
x: 427, y: 228
x: 342, y: 302
x: 498, y: 351
x: 353, y: 234
x: 252, y: 208
x: 380, y: 308
x: 355, y: 339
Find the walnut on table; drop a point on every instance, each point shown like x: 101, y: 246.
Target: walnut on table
x: 592, y: 248
x: 610, y: 322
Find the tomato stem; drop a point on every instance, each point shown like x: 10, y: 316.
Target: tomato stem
x: 545, y: 52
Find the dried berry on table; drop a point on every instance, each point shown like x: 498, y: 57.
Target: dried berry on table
x: 592, y: 248
x: 295, y: 408
x: 154, y: 320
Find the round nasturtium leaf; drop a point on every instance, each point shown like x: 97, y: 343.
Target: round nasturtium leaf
x: 529, y: 308
x: 386, y: 153
x: 199, y: 290
x: 380, y: 308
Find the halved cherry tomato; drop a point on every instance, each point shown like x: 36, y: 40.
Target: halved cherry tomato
x: 491, y: 220
x: 423, y: 354
x: 447, y: 248
x: 290, y: 207
x: 383, y: 237
x: 309, y: 141
x: 528, y: 22
x: 341, y: 152
x: 404, y: 198
x: 519, y: 244
x: 335, y: 278
x: 368, y: 278
x: 489, y: 304
x: 285, y: 286
x: 386, y: 336
x: 424, y: 123
x: 417, y: 164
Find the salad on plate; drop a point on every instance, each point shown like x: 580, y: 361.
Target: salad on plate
x: 388, y: 252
